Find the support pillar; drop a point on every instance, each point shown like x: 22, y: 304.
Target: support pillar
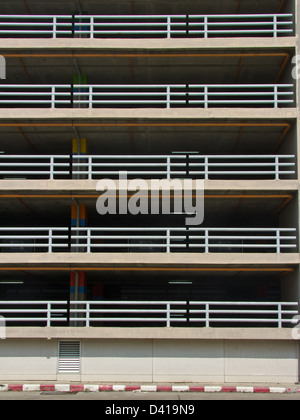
x: 79, y: 148
x: 78, y: 293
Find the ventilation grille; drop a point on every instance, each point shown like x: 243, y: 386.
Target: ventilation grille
x: 69, y: 357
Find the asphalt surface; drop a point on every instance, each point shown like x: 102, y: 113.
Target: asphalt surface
x: 135, y: 397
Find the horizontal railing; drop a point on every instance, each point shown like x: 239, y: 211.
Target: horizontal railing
x: 147, y: 96
x: 35, y: 166
x: 146, y: 26
x: 135, y: 313
x: 34, y: 239
x: 192, y: 239
x: 34, y: 312
x: 147, y: 166
x: 92, y: 239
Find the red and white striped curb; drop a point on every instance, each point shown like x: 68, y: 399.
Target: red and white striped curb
x: 142, y: 388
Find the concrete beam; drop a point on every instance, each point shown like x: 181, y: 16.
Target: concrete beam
x: 89, y: 186
x: 144, y: 114
x: 150, y: 333
x: 87, y: 261
x: 101, y: 45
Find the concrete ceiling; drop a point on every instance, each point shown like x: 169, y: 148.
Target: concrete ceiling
x: 221, y: 212
x: 216, y: 69
x: 135, y: 140
x: 139, y: 6
x: 43, y: 277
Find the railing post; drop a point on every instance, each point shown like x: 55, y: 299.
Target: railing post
x: 275, y: 27
x: 90, y: 166
x: 91, y: 97
x: 206, y: 27
x: 54, y: 27
x: 206, y: 167
x: 275, y: 96
x: 168, y: 315
x: 278, y: 241
x: 52, y: 168
x: 205, y: 97
x: 88, y: 240
x: 168, y: 167
x: 168, y: 241
x: 279, y: 315
x: 50, y: 241
x: 88, y: 306
x: 207, y: 315
x: 206, y: 241
x: 92, y: 28
x: 53, y: 97
x: 169, y: 29
x: 49, y: 314
x: 277, y: 169
x: 168, y: 97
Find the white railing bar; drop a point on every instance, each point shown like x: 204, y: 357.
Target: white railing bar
x: 124, y: 229
x: 258, y: 320
x: 35, y: 17
x: 237, y: 311
x: 251, y: 303
x: 82, y: 17
x: 100, y: 229
x: 125, y: 319
x: 130, y: 302
x: 244, y: 229
x: 128, y: 311
x: 160, y: 16
x: 35, y: 319
x: 142, y: 229
x: 131, y: 237
x: 152, y: 24
x: 107, y: 245
x: 147, y: 302
x: 215, y: 164
x: 36, y: 228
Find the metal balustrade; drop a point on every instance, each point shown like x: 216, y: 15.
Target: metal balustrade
x: 34, y: 239
x: 35, y: 166
x: 147, y: 96
x: 156, y: 313
x: 146, y: 26
x: 147, y: 166
x: 176, y: 239
x: 120, y: 239
x: 34, y: 312
x: 185, y: 166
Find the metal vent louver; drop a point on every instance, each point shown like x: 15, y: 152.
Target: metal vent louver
x: 69, y: 357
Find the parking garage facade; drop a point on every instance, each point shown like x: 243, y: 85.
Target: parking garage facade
x: 173, y: 91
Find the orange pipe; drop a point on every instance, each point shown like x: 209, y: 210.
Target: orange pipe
x: 280, y: 140
x: 283, y: 206
x: 280, y: 6
x: 287, y: 270
x: 289, y: 197
x: 130, y: 124
x: 139, y: 55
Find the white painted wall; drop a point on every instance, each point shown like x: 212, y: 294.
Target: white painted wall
x: 190, y: 361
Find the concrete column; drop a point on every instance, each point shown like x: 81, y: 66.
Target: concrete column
x: 79, y: 219
x: 78, y: 293
x: 80, y: 148
x: 80, y: 79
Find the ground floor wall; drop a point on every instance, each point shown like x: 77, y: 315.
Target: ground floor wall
x: 147, y: 361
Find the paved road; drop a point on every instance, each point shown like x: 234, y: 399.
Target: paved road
x: 136, y: 396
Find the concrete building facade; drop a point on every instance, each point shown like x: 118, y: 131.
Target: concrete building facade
x: 168, y: 91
